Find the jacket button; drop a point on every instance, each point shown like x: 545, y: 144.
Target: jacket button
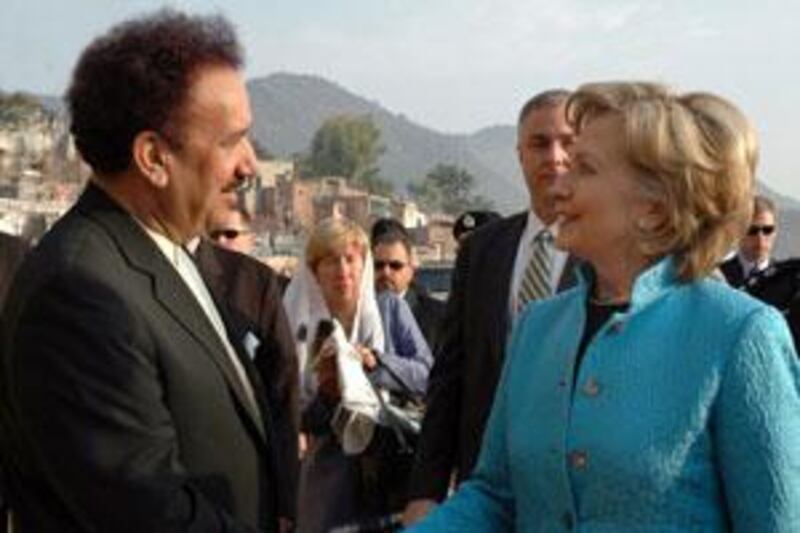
x: 578, y: 459
x: 567, y: 520
x: 591, y: 388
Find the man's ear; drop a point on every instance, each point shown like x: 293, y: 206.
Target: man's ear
x: 150, y: 155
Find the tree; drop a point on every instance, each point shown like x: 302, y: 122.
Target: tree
x: 16, y: 108
x: 448, y: 188
x: 347, y: 146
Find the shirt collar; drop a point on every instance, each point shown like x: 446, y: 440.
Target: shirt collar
x: 192, y: 245
x: 751, y: 267
x: 171, y: 250
x: 532, y: 228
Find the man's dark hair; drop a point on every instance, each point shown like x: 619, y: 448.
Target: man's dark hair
x: 390, y: 231
x: 136, y: 78
x: 549, y: 98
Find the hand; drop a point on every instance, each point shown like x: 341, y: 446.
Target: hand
x: 416, y: 510
x: 368, y: 358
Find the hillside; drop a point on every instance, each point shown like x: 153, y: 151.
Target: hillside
x: 288, y: 109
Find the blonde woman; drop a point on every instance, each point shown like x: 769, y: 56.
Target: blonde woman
x: 650, y: 397
x: 336, y: 281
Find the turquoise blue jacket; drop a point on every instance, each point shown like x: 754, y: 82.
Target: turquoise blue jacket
x: 685, y: 417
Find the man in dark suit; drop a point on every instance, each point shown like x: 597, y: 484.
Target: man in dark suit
x: 486, y: 294
x: 250, y: 294
x: 755, y: 248
x: 126, y: 406
x: 394, y: 271
x: 754, y: 270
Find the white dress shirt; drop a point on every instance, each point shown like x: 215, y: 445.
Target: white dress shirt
x: 750, y: 268
x: 524, y: 251
x: 182, y: 262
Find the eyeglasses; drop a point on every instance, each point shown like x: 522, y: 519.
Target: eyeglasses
x: 754, y: 230
x: 394, y: 264
x: 227, y: 233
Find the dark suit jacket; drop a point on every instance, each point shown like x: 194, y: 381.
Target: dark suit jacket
x: 732, y: 270
x: 428, y: 312
x: 249, y: 293
x: 121, y: 410
x: 468, y: 362
x: 779, y: 286
x: 12, y: 252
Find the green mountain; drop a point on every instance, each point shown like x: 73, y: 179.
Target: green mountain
x: 288, y: 109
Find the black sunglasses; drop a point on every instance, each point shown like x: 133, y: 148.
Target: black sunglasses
x: 754, y: 230
x: 394, y: 264
x: 227, y: 233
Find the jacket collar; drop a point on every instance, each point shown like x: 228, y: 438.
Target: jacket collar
x: 650, y: 284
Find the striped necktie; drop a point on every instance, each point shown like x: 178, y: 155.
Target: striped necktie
x: 536, y: 278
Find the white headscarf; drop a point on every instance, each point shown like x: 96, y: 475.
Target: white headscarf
x: 305, y: 306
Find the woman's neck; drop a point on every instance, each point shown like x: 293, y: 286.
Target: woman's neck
x: 345, y: 314
x: 614, y: 281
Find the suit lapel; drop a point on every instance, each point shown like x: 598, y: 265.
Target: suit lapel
x: 169, y: 289
x: 499, y: 267
x: 569, y: 277
x: 237, y: 326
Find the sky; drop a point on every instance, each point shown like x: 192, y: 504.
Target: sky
x: 458, y: 66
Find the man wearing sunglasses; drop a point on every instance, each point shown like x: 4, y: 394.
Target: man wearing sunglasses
x: 755, y: 248
x: 755, y: 271
x: 394, y: 271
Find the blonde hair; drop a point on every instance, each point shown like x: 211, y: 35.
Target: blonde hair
x: 695, y: 156
x: 332, y: 235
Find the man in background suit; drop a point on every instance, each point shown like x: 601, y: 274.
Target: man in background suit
x: 250, y: 294
x: 755, y: 248
x: 483, y: 303
x: 394, y: 271
x: 126, y: 406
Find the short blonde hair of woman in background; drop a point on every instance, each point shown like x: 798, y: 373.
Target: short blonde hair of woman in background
x: 332, y: 235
